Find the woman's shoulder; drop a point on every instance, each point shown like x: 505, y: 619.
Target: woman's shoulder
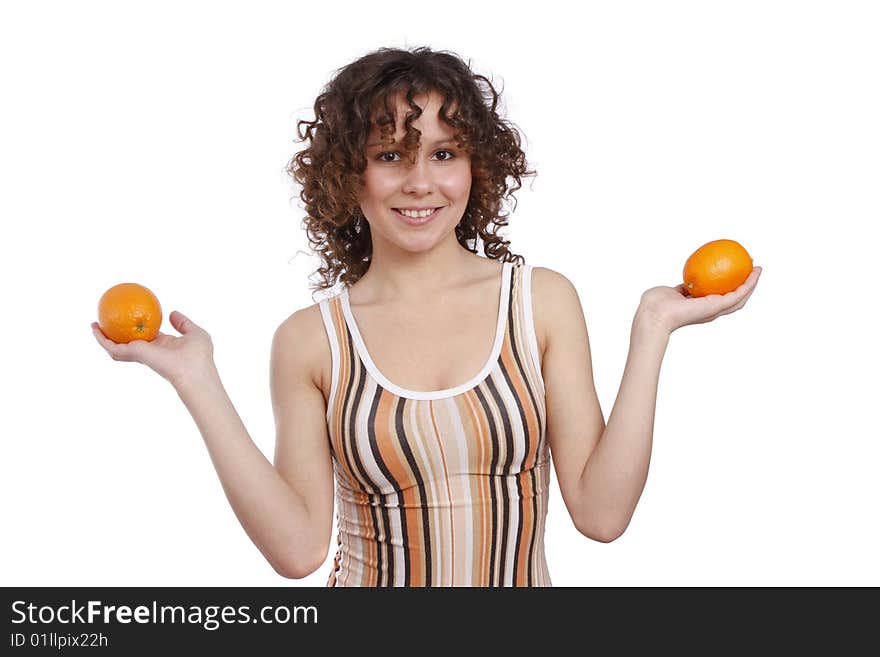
x: 304, y: 332
x: 555, y: 302
x: 550, y: 281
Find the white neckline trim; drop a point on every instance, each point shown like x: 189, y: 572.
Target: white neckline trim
x: 504, y: 297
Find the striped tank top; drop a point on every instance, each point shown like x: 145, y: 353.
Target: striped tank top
x: 447, y: 487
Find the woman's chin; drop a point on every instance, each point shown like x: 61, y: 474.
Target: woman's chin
x: 417, y: 243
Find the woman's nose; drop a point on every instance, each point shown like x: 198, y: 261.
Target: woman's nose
x: 418, y: 177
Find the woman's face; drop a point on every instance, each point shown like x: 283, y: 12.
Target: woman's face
x: 440, y: 178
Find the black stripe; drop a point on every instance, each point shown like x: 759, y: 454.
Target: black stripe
x: 423, y: 496
x: 346, y: 413
x: 516, y: 476
x: 540, y: 409
x: 523, y: 424
x: 385, y: 545
x: 516, y: 349
x: 508, y: 459
x: 350, y: 439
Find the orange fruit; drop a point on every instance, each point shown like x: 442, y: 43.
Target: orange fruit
x: 717, y: 267
x: 129, y: 311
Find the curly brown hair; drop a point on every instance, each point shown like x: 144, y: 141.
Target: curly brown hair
x: 331, y: 169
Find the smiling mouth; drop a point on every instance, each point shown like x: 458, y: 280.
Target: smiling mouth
x: 418, y: 220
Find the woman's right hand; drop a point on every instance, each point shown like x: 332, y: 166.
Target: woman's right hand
x: 174, y: 358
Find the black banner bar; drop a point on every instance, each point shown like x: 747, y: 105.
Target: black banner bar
x: 129, y: 621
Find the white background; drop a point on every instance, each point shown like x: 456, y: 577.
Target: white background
x: 148, y: 143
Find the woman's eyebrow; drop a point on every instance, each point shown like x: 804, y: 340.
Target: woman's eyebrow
x: 439, y: 142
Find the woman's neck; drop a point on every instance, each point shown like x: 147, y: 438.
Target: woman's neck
x: 417, y: 277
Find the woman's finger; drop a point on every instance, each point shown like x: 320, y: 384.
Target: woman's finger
x: 182, y: 323
x: 116, y: 351
x: 102, y: 340
x: 732, y: 309
x: 742, y: 302
x: 734, y: 299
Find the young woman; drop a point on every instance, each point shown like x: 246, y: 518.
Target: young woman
x: 436, y: 385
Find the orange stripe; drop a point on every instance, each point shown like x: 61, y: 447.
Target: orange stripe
x: 522, y: 394
x: 482, y: 440
x: 388, y: 445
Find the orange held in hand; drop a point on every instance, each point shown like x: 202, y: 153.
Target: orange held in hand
x: 129, y: 311
x: 717, y: 267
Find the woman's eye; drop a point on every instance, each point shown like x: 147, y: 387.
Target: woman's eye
x: 382, y: 156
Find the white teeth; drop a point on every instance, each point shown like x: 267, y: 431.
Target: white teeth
x: 416, y: 214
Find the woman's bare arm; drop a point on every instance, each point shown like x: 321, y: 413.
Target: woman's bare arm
x: 286, y: 511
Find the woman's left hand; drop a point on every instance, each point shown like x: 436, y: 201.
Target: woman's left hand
x: 670, y: 308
